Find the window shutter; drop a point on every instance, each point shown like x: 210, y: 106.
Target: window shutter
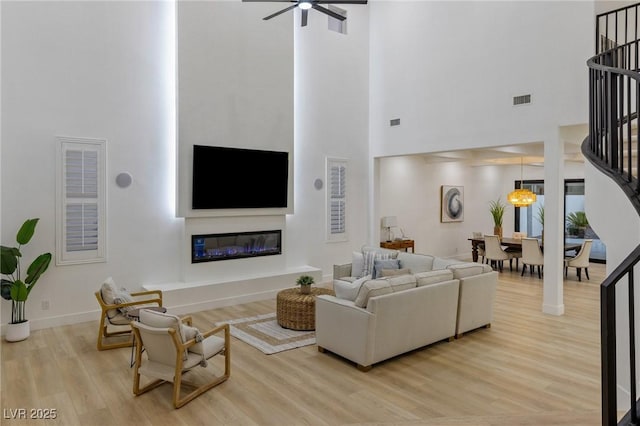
x: 336, y: 199
x: 80, y: 232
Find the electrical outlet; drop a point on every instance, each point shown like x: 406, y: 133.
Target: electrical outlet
x: 45, y: 305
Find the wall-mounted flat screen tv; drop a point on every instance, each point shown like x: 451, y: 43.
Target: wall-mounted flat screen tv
x: 236, y: 178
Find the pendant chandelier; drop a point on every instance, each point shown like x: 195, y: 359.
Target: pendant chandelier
x: 521, y: 197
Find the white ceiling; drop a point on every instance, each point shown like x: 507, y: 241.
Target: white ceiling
x: 528, y: 153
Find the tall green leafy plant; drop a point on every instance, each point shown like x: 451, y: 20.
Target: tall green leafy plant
x: 12, y: 286
x: 496, y: 208
x: 540, y: 215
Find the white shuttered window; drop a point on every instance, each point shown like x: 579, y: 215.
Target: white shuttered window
x: 336, y: 199
x: 80, y: 231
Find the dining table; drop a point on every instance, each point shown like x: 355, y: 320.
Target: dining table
x: 516, y: 243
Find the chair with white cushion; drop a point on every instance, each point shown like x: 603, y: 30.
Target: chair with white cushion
x: 114, y: 303
x: 172, y: 349
x: 496, y: 255
x: 531, y: 255
x: 580, y: 261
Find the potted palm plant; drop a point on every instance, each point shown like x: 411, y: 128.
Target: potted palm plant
x: 13, y: 287
x: 577, y: 223
x: 496, y: 208
x: 305, y: 281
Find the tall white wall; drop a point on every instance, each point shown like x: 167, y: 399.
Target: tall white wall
x: 99, y: 70
x: 235, y: 89
x: 449, y: 71
x: 331, y: 104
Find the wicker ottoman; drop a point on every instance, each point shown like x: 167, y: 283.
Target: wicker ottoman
x: 297, y: 311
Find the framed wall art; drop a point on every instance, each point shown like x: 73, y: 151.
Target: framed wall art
x: 452, y: 203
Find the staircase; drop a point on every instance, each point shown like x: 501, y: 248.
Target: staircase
x: 612, y: 147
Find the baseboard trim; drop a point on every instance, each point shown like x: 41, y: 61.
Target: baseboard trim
x: 187, y: 308
x: 553, y: 309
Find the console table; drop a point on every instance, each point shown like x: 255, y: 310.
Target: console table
x: 399, y: 245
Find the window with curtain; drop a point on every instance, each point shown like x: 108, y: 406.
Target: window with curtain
x: 80, y: 227
x: 336, y: 199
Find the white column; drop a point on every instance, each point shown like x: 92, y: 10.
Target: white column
x: 552, y: 298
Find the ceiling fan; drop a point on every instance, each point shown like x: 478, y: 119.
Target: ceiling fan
x: 305, y: 5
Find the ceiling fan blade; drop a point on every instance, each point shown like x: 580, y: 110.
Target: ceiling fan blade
x: 328, y: 12
x: 286, y: 9
x: 305, y: 13
x: 336, y: 1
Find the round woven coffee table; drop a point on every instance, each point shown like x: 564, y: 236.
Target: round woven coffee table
x: 297, y: 311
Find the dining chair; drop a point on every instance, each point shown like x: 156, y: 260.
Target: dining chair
x: 496, y: 255
x: 531, y: 256
x: 580, y: 261
x: 481, y: 250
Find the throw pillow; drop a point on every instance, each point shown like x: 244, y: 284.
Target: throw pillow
x: 370, y: 257
x: 379, y: 265
x: 349, y: 291
x: 394, y: 272
x: 109, y: 292
x: 357, y: 264
x: 123, y: 296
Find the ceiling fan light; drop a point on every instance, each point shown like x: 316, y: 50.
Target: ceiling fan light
x: 304, y: 5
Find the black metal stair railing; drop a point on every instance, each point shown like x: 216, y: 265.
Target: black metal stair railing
x: 612, y: 147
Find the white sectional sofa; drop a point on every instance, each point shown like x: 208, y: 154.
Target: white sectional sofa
x: 420, y: 300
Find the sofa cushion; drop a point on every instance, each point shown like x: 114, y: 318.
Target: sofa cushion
x: 416, y: 262
x: 370, y: 257
x: 111, y: 295
x: 433, y: 277
x: 164, y: 320
x: 469, y: 269
x: 348, y: 290
x: 401, y: 282
x: 394, y: 272
x: 380, y: 264
x: 373, y: 288
x: 357, y: 264
x: 441, y: 263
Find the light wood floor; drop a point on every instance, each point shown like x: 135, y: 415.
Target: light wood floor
x: 527, y: 369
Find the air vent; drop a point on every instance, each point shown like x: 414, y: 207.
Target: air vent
x: 394, y: 122
x: 522, y: 100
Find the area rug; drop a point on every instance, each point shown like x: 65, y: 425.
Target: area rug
x: 264, y: 333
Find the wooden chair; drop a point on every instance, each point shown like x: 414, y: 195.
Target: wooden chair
x: 111, y: 315
x: 481, y: 251
x: 580, y: 261
x: 531, y: 255
x: 171, y: 352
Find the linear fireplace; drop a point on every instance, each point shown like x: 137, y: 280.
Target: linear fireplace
x: 236, y: 245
